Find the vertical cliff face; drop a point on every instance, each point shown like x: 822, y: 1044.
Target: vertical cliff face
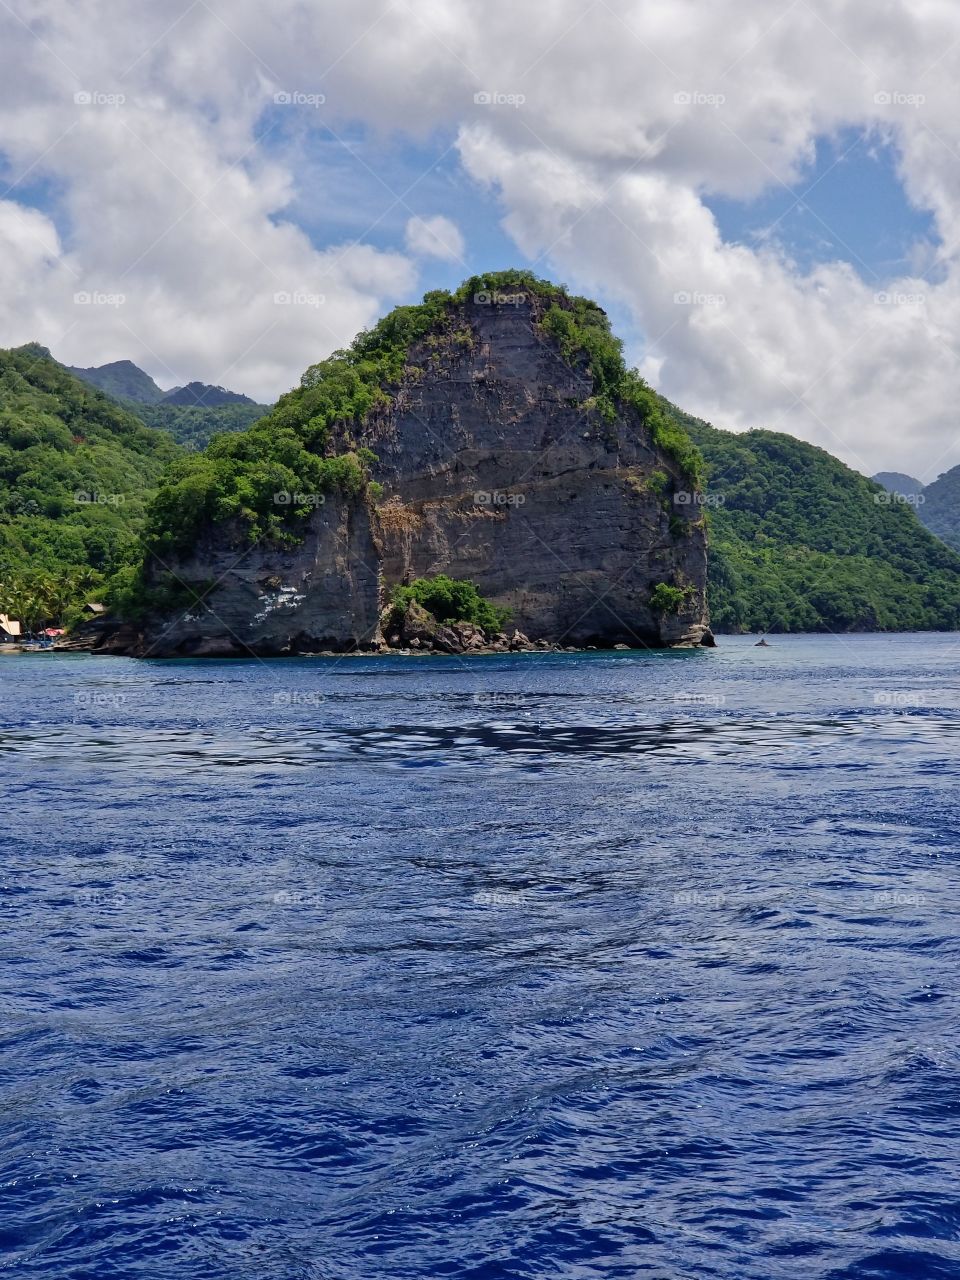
x: 320, y: 594
x: 495, y: 460
x: 498, y: 467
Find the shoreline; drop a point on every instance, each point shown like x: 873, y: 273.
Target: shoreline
x: 370, y: 653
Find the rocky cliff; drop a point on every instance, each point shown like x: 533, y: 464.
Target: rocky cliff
x: 319, y: 594
x: 505, y: 444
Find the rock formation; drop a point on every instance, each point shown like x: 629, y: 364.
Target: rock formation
x: 495, y: 463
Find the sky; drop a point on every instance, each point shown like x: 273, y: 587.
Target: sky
x: 764, y: 194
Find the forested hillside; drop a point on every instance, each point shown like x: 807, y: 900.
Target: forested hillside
x: 940, y: 509
x: 194, y: 426
x: 801, y: 542
x: 76, y: 474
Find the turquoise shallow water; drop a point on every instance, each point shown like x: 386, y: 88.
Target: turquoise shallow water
x: 555, y: 965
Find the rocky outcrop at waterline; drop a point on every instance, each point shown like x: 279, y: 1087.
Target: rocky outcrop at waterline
x: 499, y: 449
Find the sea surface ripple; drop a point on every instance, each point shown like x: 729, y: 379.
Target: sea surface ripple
x: 575, y: 965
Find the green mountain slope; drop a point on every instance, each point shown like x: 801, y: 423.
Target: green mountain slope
x: 193, y: 414
x: 940, y: 510
x: 800, y: 542
x: 123, y: 380
x: 194, y: 426
x: 77, y: 472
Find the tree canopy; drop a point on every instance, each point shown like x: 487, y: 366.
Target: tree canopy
x: 77, y: 473
x: 801, y: 542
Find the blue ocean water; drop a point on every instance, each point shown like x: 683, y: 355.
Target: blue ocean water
x: 602, y: 965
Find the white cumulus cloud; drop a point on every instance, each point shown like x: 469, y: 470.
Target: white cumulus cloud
x: 436, y: 237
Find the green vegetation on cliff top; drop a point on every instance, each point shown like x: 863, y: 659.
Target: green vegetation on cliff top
x: 800, y: 542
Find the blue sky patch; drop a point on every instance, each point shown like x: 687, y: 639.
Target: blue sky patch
x: 850, y: 207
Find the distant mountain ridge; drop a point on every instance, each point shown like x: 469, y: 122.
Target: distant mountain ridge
x: 897, y: 482
x: 123, y: 380
x: 204, y: 396
x: 193, y: 414
x: 937, y: 504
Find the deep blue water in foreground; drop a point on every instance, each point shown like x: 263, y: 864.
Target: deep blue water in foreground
x: 559, y: 966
